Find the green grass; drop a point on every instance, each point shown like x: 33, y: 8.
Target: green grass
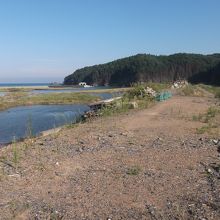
x: 124, y: 105
x: 206, y: 128
x: 191, y: 90
x: 212, y: 89
x: 113, y: 90
x: 211, y: 120
x: 15, y: 153
x: 117, y: 107
x: 158, y: 87
x: 15, y: 89
x: 14, y: 99
x: 135, y: 97
x: 206, y: 117
x: 138, y: 89
x: 133, y: 171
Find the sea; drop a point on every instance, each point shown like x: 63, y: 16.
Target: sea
x: 22, y: 84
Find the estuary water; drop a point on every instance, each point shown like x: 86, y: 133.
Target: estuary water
x: 17, y: 123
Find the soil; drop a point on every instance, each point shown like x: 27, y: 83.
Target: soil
x: 145, y: 164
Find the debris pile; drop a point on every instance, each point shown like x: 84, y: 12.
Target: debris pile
x: 150, y: 92
x: 90, y: 114
x: 179, y: 84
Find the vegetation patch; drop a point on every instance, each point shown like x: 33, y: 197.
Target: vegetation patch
x: 21, y: 99
x: 211, y: 113
x: 135, y: 98
x: 211, y: 119
x: 191, y: 90
x: 133, y: 171
x: 212, y: 89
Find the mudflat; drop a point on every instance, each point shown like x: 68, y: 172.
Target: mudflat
x: 145, y: 164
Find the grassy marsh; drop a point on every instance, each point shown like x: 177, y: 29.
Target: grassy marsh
x: 14, y: 99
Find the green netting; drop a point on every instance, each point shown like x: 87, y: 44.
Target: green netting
x: 163, y: 96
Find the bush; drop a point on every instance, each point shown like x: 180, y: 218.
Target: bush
x: 138, y: 91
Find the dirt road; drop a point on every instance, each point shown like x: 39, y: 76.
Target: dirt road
x: 146, y: 164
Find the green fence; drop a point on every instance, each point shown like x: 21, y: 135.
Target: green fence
x: 162, y: 96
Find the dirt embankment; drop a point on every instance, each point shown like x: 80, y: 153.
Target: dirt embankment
x: 146, y: 164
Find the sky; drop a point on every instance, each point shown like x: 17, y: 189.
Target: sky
x: 46, y: 40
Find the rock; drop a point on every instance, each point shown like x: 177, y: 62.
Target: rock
x: 215, y: 141
x: 90, y: 114
x: 209, y: 171
x: 123, y: 134
x: 150, y: 92
x: 133, y: 105
x: 15, y: 175
x: 179, y: 84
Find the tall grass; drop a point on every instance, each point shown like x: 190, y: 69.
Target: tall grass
x: 212, y: 89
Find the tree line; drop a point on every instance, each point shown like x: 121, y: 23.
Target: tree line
x: 195, y: 68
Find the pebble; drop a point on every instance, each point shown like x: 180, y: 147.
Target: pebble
x: 215, y: 141
x: 209, y: 171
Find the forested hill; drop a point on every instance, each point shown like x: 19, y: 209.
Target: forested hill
x: 195, y: 68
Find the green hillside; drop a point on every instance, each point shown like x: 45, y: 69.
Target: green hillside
x: 195, y: 68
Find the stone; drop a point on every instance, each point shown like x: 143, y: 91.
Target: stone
x: 133, y: 105
x: 215, y: 141
x: 209, y: 171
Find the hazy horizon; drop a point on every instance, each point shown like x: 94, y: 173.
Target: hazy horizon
x: 44, y: 41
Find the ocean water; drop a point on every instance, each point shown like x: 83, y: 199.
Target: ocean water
x: 22, y: 84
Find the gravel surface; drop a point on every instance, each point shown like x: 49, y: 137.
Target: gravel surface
x: 146, y: 164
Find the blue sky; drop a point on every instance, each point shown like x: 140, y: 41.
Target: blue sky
x: 45, y: 40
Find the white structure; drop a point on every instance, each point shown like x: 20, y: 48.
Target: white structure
x: 84, y: 84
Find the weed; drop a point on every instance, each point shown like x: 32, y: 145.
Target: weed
x: 15, y: 158
x: 133, y: 171
x: 203, y: 129
x: 2, y: 174
x: 206, y: 117
x: 191, y: 90
x: 211, y: 113
x: 217, y: 94
x: 158, y: 87
x: 41, y: 167
x: 212, y: 89
x: 206, y: 128
x: 117, y: 107
x: 197, y: 117
x: 71, y: 125
x: 29, y: 127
